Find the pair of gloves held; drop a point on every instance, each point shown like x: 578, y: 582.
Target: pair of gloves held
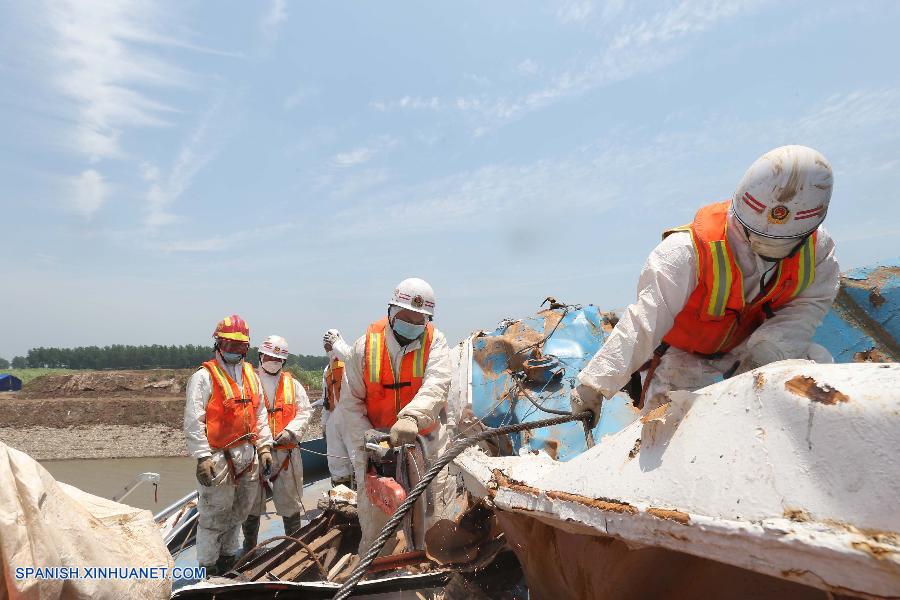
x: 206, y: 473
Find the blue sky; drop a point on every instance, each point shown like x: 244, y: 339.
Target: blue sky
x: 165, y: 164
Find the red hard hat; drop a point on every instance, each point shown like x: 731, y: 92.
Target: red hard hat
x: 232, y: 328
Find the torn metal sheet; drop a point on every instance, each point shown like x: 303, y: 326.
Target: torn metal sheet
x: 864, y: 324
x: 791, y: 481
x: 541, y: 357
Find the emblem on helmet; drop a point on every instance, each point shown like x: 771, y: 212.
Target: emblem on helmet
x: 418, y: 301
x: 779, y: 214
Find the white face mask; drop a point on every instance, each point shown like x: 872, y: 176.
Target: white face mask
x: 271, y: 366
x: 770, y: 247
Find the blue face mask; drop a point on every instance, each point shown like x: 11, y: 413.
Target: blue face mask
x: 232, y: 358
x: 407, y: 330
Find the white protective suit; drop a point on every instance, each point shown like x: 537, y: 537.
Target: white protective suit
x: 665, y: 284
x: 287, y: 489
x: 428, y: 406
x: 337, y: 440
x: 223, y: 506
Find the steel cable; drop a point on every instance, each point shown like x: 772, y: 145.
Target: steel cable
x: 455, y: 450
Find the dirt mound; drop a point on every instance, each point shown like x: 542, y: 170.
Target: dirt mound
x: 156, y: 382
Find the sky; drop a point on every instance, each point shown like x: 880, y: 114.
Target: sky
x: 165, y: 164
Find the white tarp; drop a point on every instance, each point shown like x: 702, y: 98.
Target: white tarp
x: 51, y: 525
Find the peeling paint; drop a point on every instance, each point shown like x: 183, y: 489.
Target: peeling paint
x: 505, y: 482
x: 634, y: 451
x: 759, y: 380
x: 670, y: 515
x: 798, y: 515
x: 875, y: 550
x: 808, y: 387
x: 601, y: 503
x: 657, y: 414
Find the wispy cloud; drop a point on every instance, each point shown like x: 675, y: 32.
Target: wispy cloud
x: 87, y: 192
x: 408, y: 102
x: 242, y: 236
x: 528, y: 67
x: 363, y: 154
x: 623, y: 169
x: 569, y: 11
x: 194, y: 155
x: 633, y: 48
x: 103, y: 65
x: 273, y: 18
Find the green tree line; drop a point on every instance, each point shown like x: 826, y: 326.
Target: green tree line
x: 119, y: 356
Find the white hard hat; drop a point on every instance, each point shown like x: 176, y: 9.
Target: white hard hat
x: 414, y: 294
x: 275, y: 346
x: 785, y: 193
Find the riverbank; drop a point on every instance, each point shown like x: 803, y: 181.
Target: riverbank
x: 103, y: 414
x: 107, y: 439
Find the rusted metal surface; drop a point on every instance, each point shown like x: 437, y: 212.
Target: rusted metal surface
x: 528, y: 365
x: 751, y: 472
x: 810, y: 388
x: 570, y: 566
x: 864, y: 324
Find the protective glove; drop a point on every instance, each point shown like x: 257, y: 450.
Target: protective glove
x: 284, y: 438
x: 205, y: 471
x: 762, y: 353
x: 404, y: 431
x: 331, y: 336
x: 587, y: 398
x: 265, y: 460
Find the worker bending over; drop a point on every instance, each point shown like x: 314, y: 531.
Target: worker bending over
x: 745, y: 284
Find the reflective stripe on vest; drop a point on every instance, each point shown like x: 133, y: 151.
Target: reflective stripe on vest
x: 285, y: 408
x: 716, y: 317
x: 385, y: 394
x: 806, y: 269
x: 231, y: 411
x: 722, y: 278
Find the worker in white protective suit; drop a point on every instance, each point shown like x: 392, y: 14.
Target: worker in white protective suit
x: 289, y: 412
x: 401, y: 362
x: 339, y: 447
x: 226, y: 430
x: 745, y: 284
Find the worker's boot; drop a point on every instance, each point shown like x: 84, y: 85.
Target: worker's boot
x: 293, y: 523
x: 225, y: 563
x: 211, y: 570
x: 250, y: 527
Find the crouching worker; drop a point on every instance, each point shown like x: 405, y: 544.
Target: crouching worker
x: 289, y: 412
x: 226, y: 430
x: 396, y: 378
x: 745, y: 284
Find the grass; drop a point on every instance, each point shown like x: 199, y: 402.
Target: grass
x: 311, y: 380
x: 27, y: 375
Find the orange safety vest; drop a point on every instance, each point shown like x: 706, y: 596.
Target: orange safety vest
x: 230, y: 411
x: 285, y: 408
x: 716, y: 318
x: 385, y: 396
x: 333, y: 374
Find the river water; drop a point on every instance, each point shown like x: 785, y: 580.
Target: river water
x: 107, y: 477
